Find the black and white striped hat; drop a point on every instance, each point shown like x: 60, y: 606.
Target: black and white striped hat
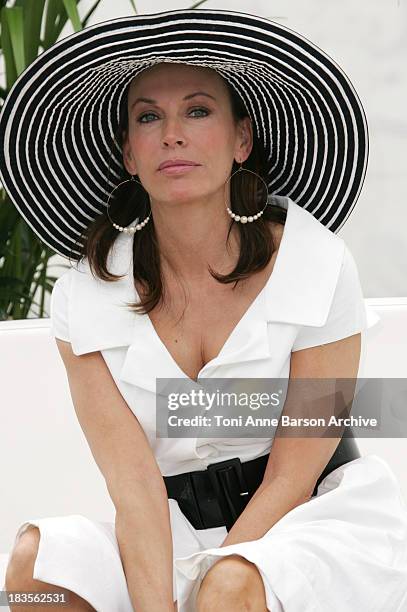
x: 58, y: 122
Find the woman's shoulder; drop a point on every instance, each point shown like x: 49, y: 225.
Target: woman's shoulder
x: 62, y: 283
x: 59, y: 301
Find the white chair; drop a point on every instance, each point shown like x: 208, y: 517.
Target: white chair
x: 48, y: 469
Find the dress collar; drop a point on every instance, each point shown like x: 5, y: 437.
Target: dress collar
x: 299, y: 292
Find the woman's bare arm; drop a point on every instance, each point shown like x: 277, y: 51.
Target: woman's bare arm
x: 133, y: 479
x: 295, y: 463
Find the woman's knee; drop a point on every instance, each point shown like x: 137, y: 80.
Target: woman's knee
x: 20, y: 567
x: 232, y: 580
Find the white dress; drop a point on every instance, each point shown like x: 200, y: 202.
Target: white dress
x: 346, y: 548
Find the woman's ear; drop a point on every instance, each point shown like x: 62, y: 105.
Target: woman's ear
x: 245, y: 140
x: 128, y: 159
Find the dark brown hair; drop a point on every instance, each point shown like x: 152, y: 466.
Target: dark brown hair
x: 247, y: 196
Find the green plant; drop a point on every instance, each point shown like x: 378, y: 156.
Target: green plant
x: 27, y: 28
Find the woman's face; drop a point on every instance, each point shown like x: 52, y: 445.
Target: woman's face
x: 175, y: 124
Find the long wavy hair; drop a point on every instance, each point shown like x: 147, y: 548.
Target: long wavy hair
x: 247, y: 196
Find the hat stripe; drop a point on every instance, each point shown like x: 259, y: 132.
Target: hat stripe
x: 58, y: 121
x: 43, y: 217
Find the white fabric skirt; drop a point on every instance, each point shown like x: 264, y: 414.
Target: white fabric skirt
x: 345, y: 549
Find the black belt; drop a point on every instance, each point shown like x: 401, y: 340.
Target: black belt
x: 216, y: 497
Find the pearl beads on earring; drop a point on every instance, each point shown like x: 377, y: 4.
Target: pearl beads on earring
x: 243, y: 218
x: 132, y: 229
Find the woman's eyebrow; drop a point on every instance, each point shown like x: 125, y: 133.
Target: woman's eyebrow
x: 151, y: 101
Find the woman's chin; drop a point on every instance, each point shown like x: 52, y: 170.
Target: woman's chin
x: 182, y: 196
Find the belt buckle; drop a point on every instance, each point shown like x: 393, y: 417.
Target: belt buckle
x: 230, y: 505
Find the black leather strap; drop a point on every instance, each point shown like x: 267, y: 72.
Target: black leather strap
x: 216, y: 497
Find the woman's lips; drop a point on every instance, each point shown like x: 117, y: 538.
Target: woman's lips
x: 178, y: 169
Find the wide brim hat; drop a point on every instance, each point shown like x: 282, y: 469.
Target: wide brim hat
x: 60, y: 118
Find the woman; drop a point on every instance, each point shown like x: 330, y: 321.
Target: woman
x: 299, y: 538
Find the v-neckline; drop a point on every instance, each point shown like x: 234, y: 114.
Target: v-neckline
x: 223, y: 348
x: 251, y: 306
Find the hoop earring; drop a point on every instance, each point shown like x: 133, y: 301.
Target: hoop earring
x: 130, y: 229
x: 243, y: 218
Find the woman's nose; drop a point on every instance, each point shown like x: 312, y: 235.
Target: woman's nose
x: 172, y: 132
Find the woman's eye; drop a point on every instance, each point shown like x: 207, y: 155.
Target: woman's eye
x: 148, y: 114
x: 142, y: 117
x: 200, y: 109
